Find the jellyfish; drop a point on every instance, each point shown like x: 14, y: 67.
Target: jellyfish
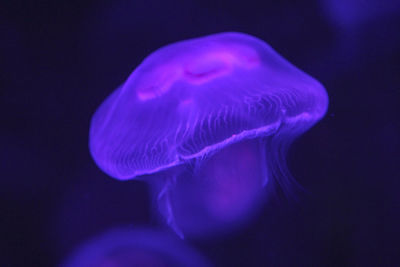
x: 206, y: 122
x: 350, y: 15
x: 126, y: 247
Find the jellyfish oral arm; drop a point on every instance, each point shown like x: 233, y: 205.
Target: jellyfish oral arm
x: 165, y: 206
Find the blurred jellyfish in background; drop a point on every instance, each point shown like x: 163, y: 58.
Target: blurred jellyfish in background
x: 207, y: 122
x: 363, y: 29
x: 127, y: 248
x: 350, y: 15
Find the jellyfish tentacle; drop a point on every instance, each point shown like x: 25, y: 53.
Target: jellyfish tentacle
x: 165, y: 205
x: 263, y: 158
x: 283, y: 180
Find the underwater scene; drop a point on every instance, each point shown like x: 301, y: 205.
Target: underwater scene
x: 200, y: 133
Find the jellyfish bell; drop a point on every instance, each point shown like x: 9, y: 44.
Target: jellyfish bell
x: 197, y: 114
x: 140, y: 247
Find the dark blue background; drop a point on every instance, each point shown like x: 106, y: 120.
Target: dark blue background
x: 60, y: 59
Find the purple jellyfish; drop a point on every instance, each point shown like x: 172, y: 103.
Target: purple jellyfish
x: 207, y: 121
x: 351, y: 14
x: 127, y: 247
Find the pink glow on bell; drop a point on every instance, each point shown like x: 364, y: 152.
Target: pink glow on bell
x: 159, y: 81
x: 200, y: 66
